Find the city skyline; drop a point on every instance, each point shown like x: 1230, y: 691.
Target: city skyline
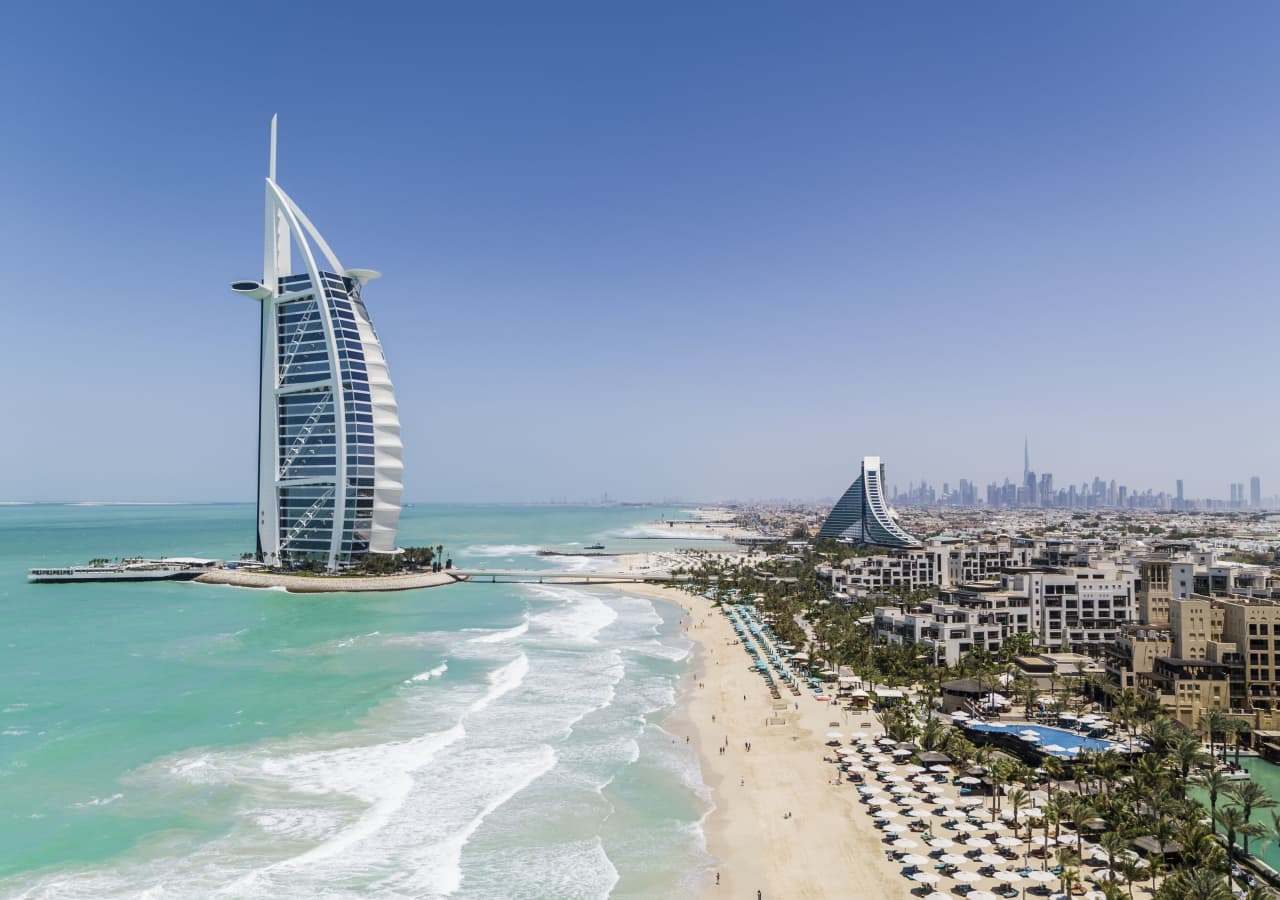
x: 1044, y: 489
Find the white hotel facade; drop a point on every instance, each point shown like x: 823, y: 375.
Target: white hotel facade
x: 330, y: 469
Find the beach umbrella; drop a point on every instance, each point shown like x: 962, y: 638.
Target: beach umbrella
x: 1041, y: 876
x: 905, y: 844
x: 1029, y: 738
x: 934, y: 789
x: 970, y: 802
x: 922, y: 778
x: 900, y: 789
x: 964, y: 826
x: 1055, y: 748
x: 941, y: 843
x: 939, y: 769
x: 901, y: 751
x: 952, y: 859
x: 969, y: 779
x: 1006, y: 841
x: 981, y: 895
x: 913, y: 769
x: 917, y: 814
x: 964, y: 876
x: 925, y: 877
x: 1007, y: 876
x: 1041, y: 840
x: 896, y: 829
x: 979, y: 843
x: 938, y: 895
x: 885, y: 739
x: 912, y: 859
x: 990, y: 859
x: 945, y: 801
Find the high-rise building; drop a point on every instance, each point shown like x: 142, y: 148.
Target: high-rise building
x: 1180, y: 499
x: 862, y: 515
x: 329, y: 453
x: 1255, y: 491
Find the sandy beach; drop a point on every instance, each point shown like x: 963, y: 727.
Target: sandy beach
x: 780, y: 826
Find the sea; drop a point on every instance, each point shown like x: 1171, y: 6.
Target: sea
x: 470, y: 741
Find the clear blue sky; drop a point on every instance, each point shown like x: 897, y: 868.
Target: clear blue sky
x: 659, y: 250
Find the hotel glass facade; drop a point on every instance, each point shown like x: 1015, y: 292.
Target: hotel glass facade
x: 330, y: 469
x: 862, y: 515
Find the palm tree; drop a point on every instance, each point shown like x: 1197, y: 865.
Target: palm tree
x: 1114, y: 843
x: 1017, y: 801
x: 1070, y: 877
x: 1251, y: 796
x: 1187, y: 756
x: 1195, y: 884
x: 1212, y: 723
x: 1234, y: 822
x: 1215, y: 782
x: 1055, y: 770
x: 1081, y: 810
x: 1237, y: 727
x: 1155, y: 868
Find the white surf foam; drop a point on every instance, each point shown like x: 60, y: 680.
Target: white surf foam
x: 499, y: 637
x: 581, y: 615
x: 503, y: 681
x: 440, y: 865
x: 429, y: 674
x: 501, y: 550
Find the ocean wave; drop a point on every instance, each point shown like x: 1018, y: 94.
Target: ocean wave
x: 503, y: 681
x: 500, y: 637
x: 501, y: 550
x: 429, y: 674
x: 439, y: 865
x: 99, y: 801
x: 581, y: 615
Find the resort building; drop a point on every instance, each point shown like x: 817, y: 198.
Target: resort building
x: 1133, y: 654
x: 329, y: 451
x: 1161, y: 579
x: 862, y: 515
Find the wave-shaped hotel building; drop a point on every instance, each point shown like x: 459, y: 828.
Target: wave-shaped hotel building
x: 329, y: 452
x: 862, y: 515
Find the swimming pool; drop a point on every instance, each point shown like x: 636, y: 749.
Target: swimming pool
x: 1053, y: 741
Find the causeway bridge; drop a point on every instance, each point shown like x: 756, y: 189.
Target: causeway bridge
x: 551, y: 576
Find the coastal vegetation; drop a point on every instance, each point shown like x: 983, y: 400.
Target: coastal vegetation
x: 1172, y: 800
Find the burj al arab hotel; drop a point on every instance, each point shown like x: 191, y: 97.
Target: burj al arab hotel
x: 329, y: 453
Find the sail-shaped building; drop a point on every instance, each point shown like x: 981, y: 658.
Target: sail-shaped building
x: 329, y: 452
x: 862, y: 515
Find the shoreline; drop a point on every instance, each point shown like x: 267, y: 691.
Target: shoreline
x: 326, y: 584
x: 777, y: 825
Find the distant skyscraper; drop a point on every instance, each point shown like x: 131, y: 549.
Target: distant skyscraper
x: 329, y: 451
x: 1180, y: 499
x: 862, y: 515
x: 1255, y: 491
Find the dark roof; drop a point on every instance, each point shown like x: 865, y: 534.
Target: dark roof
x: 967, y: 686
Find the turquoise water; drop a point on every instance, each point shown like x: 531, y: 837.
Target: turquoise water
x: 1071, y: 742
x: 1267, y: 776
x: 470, y: 741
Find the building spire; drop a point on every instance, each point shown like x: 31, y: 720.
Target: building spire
x: 271, y: 164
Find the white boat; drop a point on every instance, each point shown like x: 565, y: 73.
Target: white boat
x: 171, y: 569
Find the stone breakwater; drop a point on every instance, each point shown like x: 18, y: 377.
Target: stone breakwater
x: 323, y: 584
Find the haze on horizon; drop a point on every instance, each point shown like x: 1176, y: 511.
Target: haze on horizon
x: 702, y: 253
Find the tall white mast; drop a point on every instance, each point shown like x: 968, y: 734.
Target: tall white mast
x: 276, y: 256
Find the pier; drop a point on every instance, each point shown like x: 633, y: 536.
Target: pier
x: 517, y: 576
